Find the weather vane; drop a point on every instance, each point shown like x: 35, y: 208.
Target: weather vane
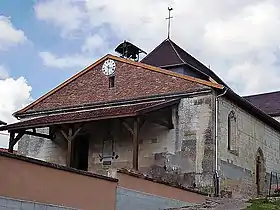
x: 169, y: 20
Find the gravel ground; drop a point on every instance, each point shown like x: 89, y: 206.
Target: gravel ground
x: 220, y: 204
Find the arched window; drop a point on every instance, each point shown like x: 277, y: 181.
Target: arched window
x: 232, y: 130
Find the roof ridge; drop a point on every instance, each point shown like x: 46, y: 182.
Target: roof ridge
x: 167, y: 72
x: 176, y: 52
x: 192, y: 58
x: 198, y: 61
x: 261, y: 94
x: 142, y: 65
x: 153, y: 50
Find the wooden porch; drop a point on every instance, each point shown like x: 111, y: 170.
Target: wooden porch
x: 131, y: 116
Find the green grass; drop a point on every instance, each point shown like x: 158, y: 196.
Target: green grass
x: 264, y: 204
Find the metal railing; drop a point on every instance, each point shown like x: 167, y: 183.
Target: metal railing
x: 273, y: 184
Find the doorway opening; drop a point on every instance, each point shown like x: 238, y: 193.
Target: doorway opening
x: 260, y: 171
x: 81, y: 150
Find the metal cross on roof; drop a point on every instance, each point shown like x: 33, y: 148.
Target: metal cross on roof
x: 169, y: 20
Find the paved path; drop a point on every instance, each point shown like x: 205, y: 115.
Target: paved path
x: 220, y: 204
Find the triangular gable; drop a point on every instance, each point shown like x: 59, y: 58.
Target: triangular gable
x: 132, y: 80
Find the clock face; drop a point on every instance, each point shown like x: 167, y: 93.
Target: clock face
x: 109, y: 67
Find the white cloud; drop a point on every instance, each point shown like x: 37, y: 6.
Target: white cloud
x: 62, y: 13
x: 9, y: 36
x: 67, y: 61
x: 15, y: 94
x: 95, y: 43
x: 239, y: 39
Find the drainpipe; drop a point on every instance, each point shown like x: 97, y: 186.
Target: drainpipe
x: 216, y: 175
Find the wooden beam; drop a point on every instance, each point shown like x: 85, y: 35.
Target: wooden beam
x: 18, y: 137
x: 135, y: 143
x: 13, y: 140
x: 165, y: 119
x: 164, y: 123
x: 46, y: 136
x: 70, y: 136
x: 64, y: 134
x: 76, y: 132
x: 70, y: 153
x: 127, y: 127
x: 142, y: 122
x: 11, y: 144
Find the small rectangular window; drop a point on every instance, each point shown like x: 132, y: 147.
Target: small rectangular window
x: 111, y: 81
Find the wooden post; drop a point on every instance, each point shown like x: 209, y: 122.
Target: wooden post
x: 70, y: 147
x: 134, y: 130
x: 70, y: 144
x: 11, y: 142
x: 135, y: 143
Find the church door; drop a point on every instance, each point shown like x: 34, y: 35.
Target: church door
x: 258, y: 167
x: 81, y: 151
x: 260, y: 172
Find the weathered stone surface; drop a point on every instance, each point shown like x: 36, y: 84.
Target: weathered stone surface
x: 43, y: 149
x: 238, y: 170
x: 196, y: 138
x: 182, y: 155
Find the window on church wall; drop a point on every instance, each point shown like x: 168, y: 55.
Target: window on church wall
x: 111, y: 81
x: 108, y: 150
x: 232, y: 132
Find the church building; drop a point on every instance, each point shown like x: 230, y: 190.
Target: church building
x: 168, y: 117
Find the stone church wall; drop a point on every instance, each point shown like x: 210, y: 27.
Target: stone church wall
x: 182, y: 155
x: 196, y: 140
x: 154, y: 141
x: 43, y: 149
x: 238, y: 169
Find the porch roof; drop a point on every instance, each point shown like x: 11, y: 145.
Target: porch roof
x: 91, y: 115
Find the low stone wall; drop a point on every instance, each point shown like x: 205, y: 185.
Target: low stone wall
x: 15, y: 204
x: 33, y: 180
x: 145, y: 184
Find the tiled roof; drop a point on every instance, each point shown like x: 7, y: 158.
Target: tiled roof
x: 168, y: 53
x: 163, y: 55
x: 132, y: 79
x: 2, y: 123
x: 92, y: 115
x: 267, y: 102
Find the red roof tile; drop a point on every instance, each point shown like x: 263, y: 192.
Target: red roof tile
x: 132, y: 80
x: 92, y: 115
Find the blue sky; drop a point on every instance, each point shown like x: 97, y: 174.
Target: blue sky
x: 24, y: 60
x: 44, y: 42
